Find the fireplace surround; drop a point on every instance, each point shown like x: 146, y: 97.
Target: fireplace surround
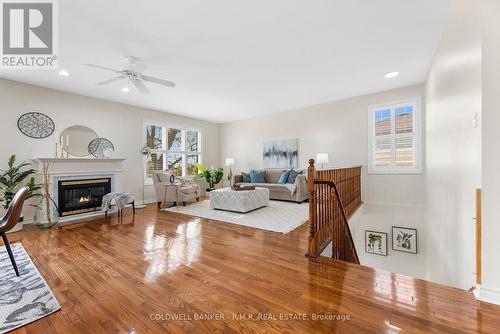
x: 81, y: 169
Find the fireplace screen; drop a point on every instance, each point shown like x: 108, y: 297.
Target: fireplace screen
x: 81, y: 196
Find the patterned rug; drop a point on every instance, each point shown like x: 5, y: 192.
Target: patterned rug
x: 26, y: 298
x: 279, y: 216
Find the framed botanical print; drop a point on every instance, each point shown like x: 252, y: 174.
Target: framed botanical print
x: 376, y: 243
x: 404, y: 239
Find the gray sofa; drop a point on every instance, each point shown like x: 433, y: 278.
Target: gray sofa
x: 279, y: 191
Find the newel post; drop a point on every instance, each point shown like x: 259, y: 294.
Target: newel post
x: 311, y: 173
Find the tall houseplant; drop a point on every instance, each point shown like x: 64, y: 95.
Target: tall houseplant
x: 15, y: 177
x: 213, y: 175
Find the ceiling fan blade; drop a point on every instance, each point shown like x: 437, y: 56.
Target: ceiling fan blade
x: 140, y: 86
x: 140, y: 67
x: 158, y: 81
x: 105, y: 82
x: 102, y: 68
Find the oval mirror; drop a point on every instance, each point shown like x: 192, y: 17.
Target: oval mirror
x: 76, y: 139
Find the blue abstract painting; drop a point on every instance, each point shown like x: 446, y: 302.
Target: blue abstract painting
x: 281, y: 153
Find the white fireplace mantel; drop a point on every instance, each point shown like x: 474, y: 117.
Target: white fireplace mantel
x: 61, y: 169
x: 71, y: 160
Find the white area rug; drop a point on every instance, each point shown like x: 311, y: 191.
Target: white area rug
x: 26, y: 298
x: 279, y: 216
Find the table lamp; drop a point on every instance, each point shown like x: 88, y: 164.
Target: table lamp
x: 322, y: 158
x: 229, y: 163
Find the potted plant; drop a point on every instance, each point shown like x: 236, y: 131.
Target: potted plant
x: 14, y: 178
x: 212, y: 176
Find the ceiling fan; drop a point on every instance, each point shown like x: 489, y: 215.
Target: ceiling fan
x: 132, y: 71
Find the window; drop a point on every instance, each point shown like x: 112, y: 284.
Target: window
x: 177, y: 149
x: 395, y: 138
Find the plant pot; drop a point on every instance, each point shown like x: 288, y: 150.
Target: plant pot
x: 46, y: 214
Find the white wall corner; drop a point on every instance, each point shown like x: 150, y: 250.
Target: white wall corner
x: 487, y: 294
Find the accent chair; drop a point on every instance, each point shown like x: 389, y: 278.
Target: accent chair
x: 183, y: 190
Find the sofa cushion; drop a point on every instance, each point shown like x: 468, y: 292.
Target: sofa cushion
x: 272, y: 186
x: 284, y: 177
x: 257, y: 177
x: 273, y: 175
x: 245, y: 177
x: 293, y: 175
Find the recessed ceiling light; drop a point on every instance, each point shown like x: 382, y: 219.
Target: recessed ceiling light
x: 391, y: 75
x: 64, y: 73
x: 125, y: 89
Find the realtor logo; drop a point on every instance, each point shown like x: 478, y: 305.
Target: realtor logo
x: 28, y: 34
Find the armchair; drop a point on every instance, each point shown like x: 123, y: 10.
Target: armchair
x: 182, y: 191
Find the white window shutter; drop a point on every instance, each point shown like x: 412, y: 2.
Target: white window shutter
x: 394, y: 138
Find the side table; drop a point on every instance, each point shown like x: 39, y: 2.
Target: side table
x: 167, y: 186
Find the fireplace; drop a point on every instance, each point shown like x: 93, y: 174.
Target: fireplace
x: 81, y: 196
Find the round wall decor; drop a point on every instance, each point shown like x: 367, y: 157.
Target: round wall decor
x: 36, y: 125
x: 101, y: 148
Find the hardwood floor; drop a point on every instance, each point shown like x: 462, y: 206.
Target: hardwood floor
x: 154, y: 272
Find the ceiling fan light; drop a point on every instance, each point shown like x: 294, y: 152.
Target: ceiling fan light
x: 125, y: 89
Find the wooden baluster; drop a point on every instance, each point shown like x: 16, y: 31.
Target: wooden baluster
x: 334, y: 196
x: 312, y: 208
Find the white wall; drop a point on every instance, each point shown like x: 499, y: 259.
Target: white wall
x: 453, y: 148
x: 490, y: 19
x: 120, y: 123
x: 381, y: 218
x: 339, y: 128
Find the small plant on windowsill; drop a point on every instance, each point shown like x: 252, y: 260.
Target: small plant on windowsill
x: 212, y: 175
x: 13, y: 178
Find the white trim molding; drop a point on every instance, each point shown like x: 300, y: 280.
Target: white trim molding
x: 487, y: 294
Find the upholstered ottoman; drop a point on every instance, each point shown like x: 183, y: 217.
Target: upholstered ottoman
x: 239, y: 201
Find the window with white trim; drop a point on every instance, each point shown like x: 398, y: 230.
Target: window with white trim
x: 395, y: 137
x: 173, y: 148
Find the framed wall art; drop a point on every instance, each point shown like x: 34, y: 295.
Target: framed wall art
x: 404, y: 239
x: 376, y: 243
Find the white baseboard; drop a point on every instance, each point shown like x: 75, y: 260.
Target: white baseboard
x: 147, y: 201
x: 487, y: 295
x: 88, y: 216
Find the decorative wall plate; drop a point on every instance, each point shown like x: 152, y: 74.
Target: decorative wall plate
x: 36, y: 125
x: 101, y: 148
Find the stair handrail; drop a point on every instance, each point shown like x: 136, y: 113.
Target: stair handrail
x: 333, y: 185
x: 328, y: 217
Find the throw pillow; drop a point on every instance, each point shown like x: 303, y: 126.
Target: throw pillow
x: 245, y: 177
x: 284, y: 177
x: 257, y: 177
x: 293, y: 175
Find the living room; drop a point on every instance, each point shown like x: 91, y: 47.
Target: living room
x: 250, y: 167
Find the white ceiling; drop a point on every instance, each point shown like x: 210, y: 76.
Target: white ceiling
x: 234, y: 59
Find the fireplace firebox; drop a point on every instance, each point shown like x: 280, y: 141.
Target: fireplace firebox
x: 81, y: 196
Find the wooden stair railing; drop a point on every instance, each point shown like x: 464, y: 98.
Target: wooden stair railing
x: 334, y: 196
